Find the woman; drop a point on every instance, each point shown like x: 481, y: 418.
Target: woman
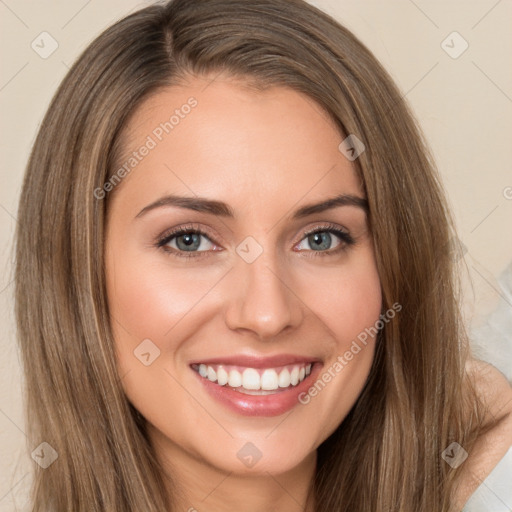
x: 235, y: 283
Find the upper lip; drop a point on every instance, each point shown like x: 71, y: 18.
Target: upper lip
x: 258, y: 361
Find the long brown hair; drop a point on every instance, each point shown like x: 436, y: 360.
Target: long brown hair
x: 386, y: 455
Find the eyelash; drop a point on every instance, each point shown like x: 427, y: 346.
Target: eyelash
x: 346, y: 240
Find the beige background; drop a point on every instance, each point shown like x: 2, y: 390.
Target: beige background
x: 464, y: 105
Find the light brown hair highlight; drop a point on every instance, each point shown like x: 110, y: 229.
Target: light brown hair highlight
x: 386, y: 455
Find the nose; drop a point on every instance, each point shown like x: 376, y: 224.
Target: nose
x: 262, y: 299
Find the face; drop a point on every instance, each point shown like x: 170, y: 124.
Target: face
x: 235, y: 304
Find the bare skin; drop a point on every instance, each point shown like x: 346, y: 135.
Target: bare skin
x: 264, y: 154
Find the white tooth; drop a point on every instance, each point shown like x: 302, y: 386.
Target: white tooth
x: 294, y: 376
x: 308, y: 369
x: 202, y: 370
x: 302, y: 374
x: 235, y: 379
x: 222, y: 376
x: 251, y: 379
x: 284, y: 378
x: 212, y: 375
x: 269, y: 380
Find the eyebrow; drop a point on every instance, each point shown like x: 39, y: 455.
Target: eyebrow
x: 221, y: 209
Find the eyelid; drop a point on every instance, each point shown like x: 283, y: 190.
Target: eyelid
x: 323, y: 226
x: 185, y: 228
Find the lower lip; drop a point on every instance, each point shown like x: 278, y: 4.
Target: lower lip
x: 260, y: 405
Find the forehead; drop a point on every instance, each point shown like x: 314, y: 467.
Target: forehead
x: 224, y: 140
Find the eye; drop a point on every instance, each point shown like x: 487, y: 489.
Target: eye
x: 186, y: 239
x: 326, y: 240
x: 191, y: 241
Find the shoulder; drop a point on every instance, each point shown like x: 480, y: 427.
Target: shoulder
x: 495, y: 390
x: 496, y: 393
x: 490, y: 380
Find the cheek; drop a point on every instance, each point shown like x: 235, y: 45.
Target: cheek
x: 348, y: 303
x: 358, y: 305
x: 170, y: 303
x: 347, y: 299
x: 147, y: 299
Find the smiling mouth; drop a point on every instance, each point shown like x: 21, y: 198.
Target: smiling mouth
x: 255, y: 381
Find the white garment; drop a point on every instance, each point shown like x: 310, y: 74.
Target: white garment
x: 495, y: 493
x: 492, y: 342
